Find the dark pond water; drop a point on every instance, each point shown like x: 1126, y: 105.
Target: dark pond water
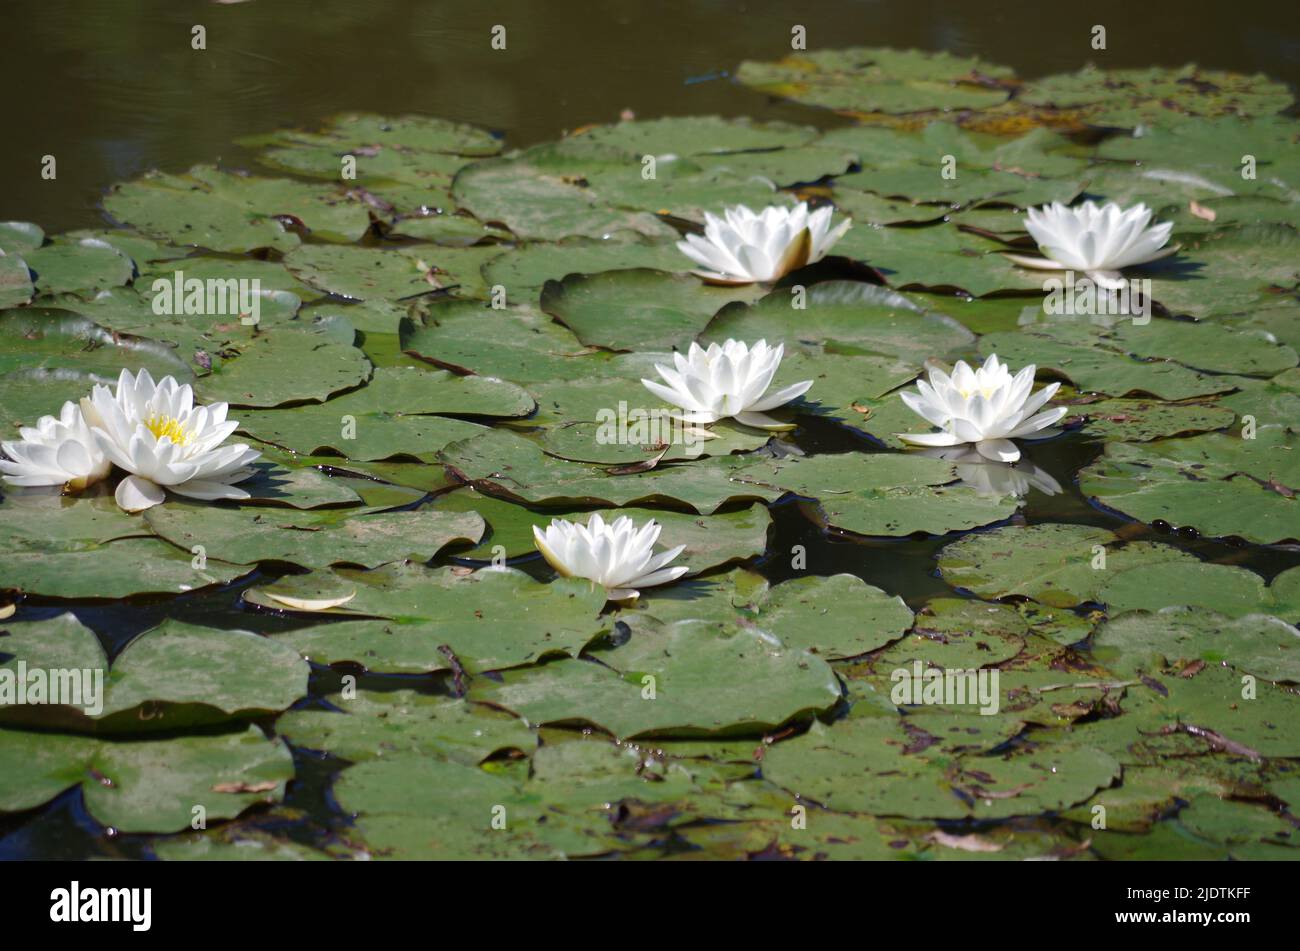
x: 112, y: 88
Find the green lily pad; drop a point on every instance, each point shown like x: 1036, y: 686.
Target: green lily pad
x: 710, y: 540
x: 865, y: 765
x: 524, y: 271
x: 87, y: 265
x: 20, y: 236
x: 1213, y: 149
x: 1234, y: 270
x: 15, y: 280
x: 392, y: 415
x: 1139, y: 420
x: 390, y: 274
x: 1127, y: 97
x: 87, y: 548
x: 40, y: 339
x: 516, y: 468
x: 937, y: 256
x: 702, y: 683
x: 419, y: 619
x: 639, y: 310
x: 1255, y: 644
x: 1058, y: 565
x: 1225, y: 589
x: 698, y: 135
x: 528, y: 346
x: 845, y: 318
x: 314, y: 539
x: 541, y: 193
x: 882, y: 493
x: 1163, y: 358
x: 286, y: 367
x: 1213, y: 699
x: 205, y: 209
x: 175, y: 671
x: 145, y: 786
x: 863, y: 80
x: 833, y: 617
x: 1217, y: 483
x: 380, y: 723
x: 949, y: 165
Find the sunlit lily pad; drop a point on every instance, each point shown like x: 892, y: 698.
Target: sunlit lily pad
x: 523, y: 271
x: 1218, y: 484
x: 1226, y: 589
x: 1255, y: 644
x: 517, y: 468
x: 541, y: 193
x: 378, y: 723
x: 286, y: 367
x: 1060, y: 565
x: 39, y: 339
x: 834, y: 617
x: 638, y: 310
x: 1126, y: 97
x: 862, y: 80
x: 702, y: 683
x: 88, y: 548
x: 167, y: 677
x: 1168, y: 359
x: 883, y: 494
x: 710, y: 540
x: 391, y: 274
x: 393, y: 415
x: 145, y: 786
x: 1138, y: 420
x: 862, y: 765
x: 846, y: 318
x: 423, y: 619
x: 86, y: 265
x: 698, y: 135
x: 314, y: 539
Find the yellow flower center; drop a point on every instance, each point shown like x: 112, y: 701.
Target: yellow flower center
x: 168, y: 426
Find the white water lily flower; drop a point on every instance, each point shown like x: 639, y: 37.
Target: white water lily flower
x: 157, y: 434
x: 616, y: 555
x: 744, y: 248
x: 724, y: 381
x: 996, y: 479
x: 1096, y: 241
x: 986, y: 408
x: 58, y: 450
